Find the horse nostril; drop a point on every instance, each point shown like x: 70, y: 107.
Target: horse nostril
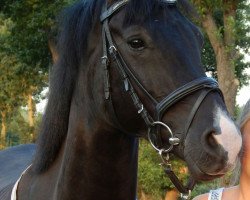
x: 211, y: 145
x: 214, y: 152
x: 210, y: 140
x: 213, y: 148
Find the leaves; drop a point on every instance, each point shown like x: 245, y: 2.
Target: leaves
x: 9, y: 95
x: 152, y: 178
x: 241, y: 30
x: 25, y: 57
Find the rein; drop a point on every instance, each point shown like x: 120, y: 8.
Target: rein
x: 207, y: 84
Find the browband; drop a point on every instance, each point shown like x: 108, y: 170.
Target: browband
x: 112, y: 9
x: 118, y: 5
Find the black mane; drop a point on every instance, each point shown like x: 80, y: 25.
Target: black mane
x: 72, y: 43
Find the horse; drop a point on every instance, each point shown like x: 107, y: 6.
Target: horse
x: 127, y: 69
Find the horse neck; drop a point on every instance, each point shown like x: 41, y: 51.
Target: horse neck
x: 97, y: 163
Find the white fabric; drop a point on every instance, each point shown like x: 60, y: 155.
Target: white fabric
x: 215, y: 194
x: 14, y: 190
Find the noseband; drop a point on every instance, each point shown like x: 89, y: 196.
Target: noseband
x: 205, y: 84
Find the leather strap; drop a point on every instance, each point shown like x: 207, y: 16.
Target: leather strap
x: 129, y: 88
x: 112, y: 9
x: 196, y: 108
x: 175, y: 180
x: 178, y: 184
x: 123, y: 69
x: 183, y: 91
x: 105, y: 66
x: 132, y: 76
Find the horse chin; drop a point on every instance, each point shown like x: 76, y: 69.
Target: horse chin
x: 200, y: 174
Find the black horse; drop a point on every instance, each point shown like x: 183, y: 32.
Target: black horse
x: 125, y: 67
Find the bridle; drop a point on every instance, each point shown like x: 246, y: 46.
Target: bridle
x: 204, y: 83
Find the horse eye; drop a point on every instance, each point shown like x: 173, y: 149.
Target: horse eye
x: 137, y: 44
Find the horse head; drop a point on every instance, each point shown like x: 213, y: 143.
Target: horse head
x: 134, y: 68
x: 154, y: 65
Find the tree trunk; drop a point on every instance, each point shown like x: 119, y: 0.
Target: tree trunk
x: 31, y: 111
x: 225, y: 57
x: 226, y: 77
x: 3, y: 130
x: 31, y: 116
x: 172, y: 195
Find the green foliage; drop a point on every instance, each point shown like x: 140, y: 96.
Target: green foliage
x: 238, y: 110
x: 19, y: 131
x: 208, y: 57
x: 243, y: 41
x: 152, y: 178
x: 33, y: 20
x: 10, y: 83
x: 205, y: 187
x: 204, y: 6
x: 241, y: 33
x: 25, y: 27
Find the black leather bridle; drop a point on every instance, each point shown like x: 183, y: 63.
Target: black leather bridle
x: 205, y: 84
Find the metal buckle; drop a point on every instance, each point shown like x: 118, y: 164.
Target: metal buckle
x: 172, y: 140
x: 105, y: 60
x: 186, y: 196
x: 112, y: 49
x: 142, y: 108
x: 119, y: 4
x: 171, y: 2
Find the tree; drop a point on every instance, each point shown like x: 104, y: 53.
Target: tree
x: 11, y: 95
x: 28, y: 41
x: 10, y: 98
x: 224, y: 22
